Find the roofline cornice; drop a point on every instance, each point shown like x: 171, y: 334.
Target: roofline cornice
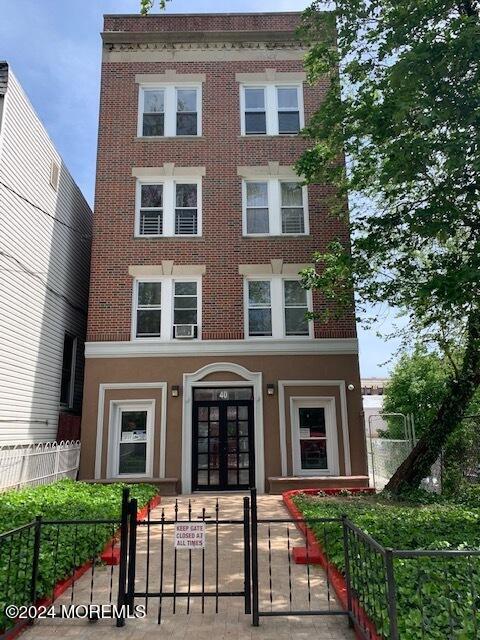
x: 172, y: 37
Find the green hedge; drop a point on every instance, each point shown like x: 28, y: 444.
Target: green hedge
x: 436, y: 597
x: 62, y: 548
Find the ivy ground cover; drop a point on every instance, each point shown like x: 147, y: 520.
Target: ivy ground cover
x: 437, y: 598
x: 62, y: 548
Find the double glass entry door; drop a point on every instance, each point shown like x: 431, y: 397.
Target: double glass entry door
x: 223, y: 451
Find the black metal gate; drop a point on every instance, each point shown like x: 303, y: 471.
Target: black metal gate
x: 271, y: 582
x: 181, y: 576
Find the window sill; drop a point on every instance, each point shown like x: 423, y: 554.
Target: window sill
x: 168, y: 138
x: 177, y: 237
x: 262, y: 236
x: 262, y: 136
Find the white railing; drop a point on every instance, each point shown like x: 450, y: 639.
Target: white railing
x: 33, y: 464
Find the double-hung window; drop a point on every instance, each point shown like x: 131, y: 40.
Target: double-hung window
x: 259, y: 308
x: 275, y: 207
x: 168, y: 207
x: 149, y: 310
x: 185, y: 310
x: 169, y: 110
x: 166, y: 308
x: 272, y: 109
x: 277, y: 307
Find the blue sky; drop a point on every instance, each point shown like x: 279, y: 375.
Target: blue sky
x: 54, y: 49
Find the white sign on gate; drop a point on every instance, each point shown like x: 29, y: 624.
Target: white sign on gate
x: 190, y: 535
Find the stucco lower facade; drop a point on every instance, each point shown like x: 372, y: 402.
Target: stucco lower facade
x: 281, y: 385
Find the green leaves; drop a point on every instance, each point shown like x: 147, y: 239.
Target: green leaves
x: 407, y: 115
x: 436, y: 597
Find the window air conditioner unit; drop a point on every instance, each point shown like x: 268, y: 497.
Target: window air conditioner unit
x: 185, y: 331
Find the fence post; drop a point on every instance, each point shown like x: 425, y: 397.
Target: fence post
x: 57, y: 461
x: 391, y: 595
x: 132, y: 548
x: 35, y: 561
x: 255, y: 614
x: 122, y: 569
x: 346, y: 550
x: 246, y: 552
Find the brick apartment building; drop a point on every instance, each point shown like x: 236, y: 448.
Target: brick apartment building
x: 202, y: 372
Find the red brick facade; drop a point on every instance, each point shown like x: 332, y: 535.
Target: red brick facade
x: 221, y: 149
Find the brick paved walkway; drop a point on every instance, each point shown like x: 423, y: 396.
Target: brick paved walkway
x: 230, y: 623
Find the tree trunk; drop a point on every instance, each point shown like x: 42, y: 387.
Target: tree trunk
x: 460, y: 392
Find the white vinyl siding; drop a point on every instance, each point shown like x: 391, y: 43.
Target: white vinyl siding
x: 37, y: 255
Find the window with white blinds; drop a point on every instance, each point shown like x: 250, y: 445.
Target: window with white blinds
x: 274, y: 207
x: 168, y: 207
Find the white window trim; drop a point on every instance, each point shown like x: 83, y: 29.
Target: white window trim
x: 327, y: 403
x: 271, y: 107
x: 277, y: 303
x: 116, y: 408
x: 170, y: 107
x: 169, y: 195
x: 167, y: 302
x: 274, y: 207
x: 73, y: 368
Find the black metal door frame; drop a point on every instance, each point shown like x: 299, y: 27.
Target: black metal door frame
x: 223, y: 444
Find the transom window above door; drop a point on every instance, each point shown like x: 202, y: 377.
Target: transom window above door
x: 274, y: 207
x: 166, y: 309
x: 277, y: 308
x: 168, y: 207
x: 169, y: 110
x: 271, y: 109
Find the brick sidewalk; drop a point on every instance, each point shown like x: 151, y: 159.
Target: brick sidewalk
x: 231, y: 622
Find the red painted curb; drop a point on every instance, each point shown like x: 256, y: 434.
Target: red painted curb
x: 316, y: 555
x: 109, y: 553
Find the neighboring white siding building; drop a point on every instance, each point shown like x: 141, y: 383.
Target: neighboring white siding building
x: 45, y: 229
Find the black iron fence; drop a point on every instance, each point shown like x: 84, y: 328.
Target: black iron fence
x: 44, y: 559
x: 267, y: 564
x: 411, y: 594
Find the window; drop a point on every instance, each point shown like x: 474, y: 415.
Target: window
x: 288, y: 110
x: 293, y: 219
x: 272, y: 109
x: 169, y: 110
x: 54, y: 175
x: 296, y: 308
x: 153, y: 113
x: 186, y: 112
x: 314, y: 436
x: 131, y: 438
x: 149, y: 310
x: 67, y: 384
x: 151, y: 210
x: 166, y: 207
x: 255, y: 114
x: 185, y: 310
x: 185, y: 209
x: 259, y: 308
x: 276, y: 307
x: 274, y: 207
x: 257, y: 207
x: 166, y: 308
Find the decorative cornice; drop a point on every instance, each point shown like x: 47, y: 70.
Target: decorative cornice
x: 148, y: 348
x: 205, y: 37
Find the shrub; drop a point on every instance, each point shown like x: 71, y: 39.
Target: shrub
x: 62, y: 548
x: 434, y: 596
